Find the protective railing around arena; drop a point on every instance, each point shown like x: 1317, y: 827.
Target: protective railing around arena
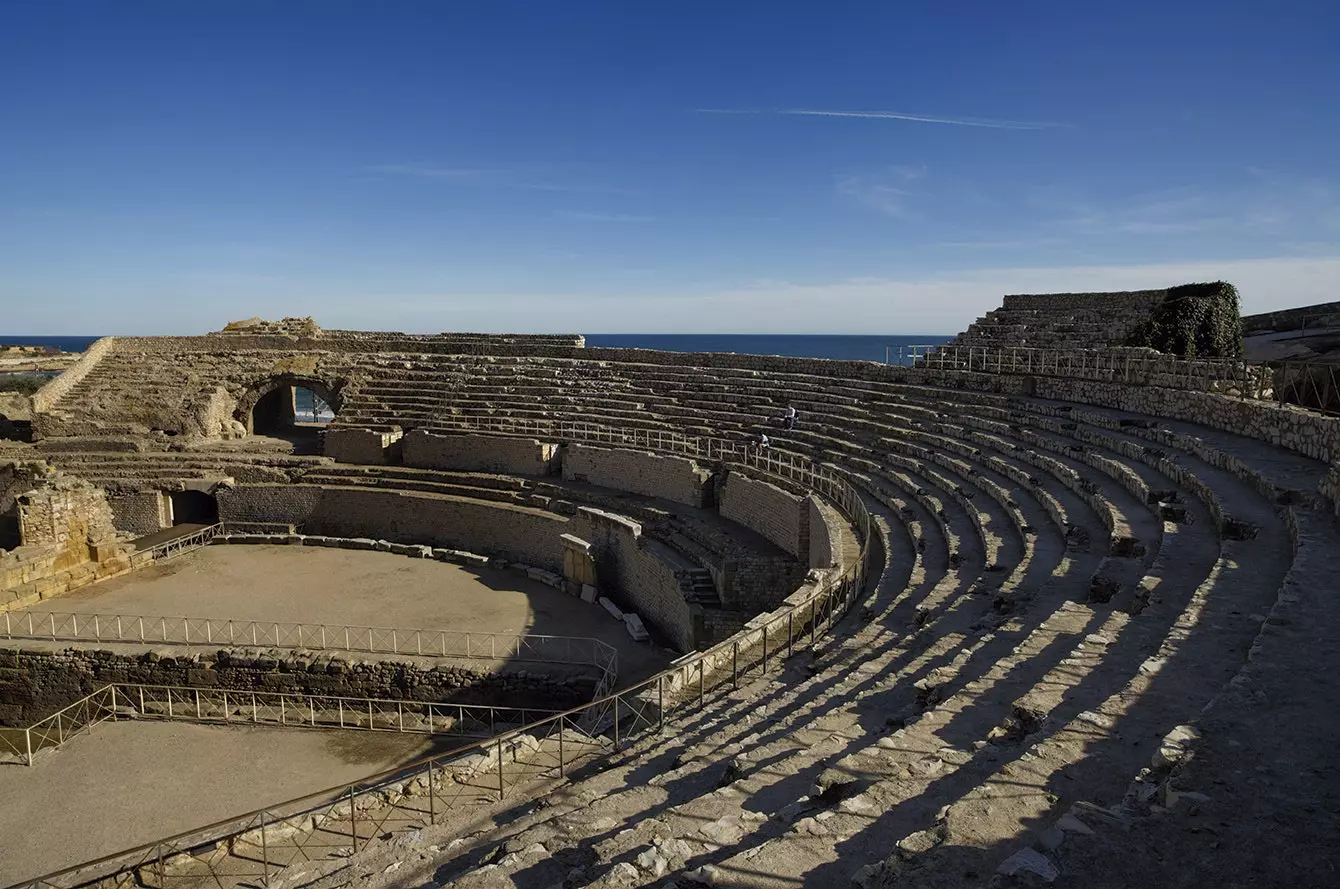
x: 64, y: 626
x: 341, y: 819
x: 59, y: 727
x: 1167, y: 371
x: 213, y: 704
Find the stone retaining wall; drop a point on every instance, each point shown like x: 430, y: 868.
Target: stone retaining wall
x: 367, y: 447
x: 631, y: 574
x: 763, y: 507
x: 34, y: 684
x: 479, y: 453
x: 140, y: 515
x: 639, y: 472
x: 480, y: 526
x: 825, y: 536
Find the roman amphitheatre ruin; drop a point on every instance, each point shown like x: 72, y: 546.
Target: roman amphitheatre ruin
x: 1040, y: 606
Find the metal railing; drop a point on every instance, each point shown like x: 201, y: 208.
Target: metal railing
x: 821, y: 477
x: 274, y: 708
x: 1198, y: 374
x: 59, y: 727
x: 61, y: 626
x: 187, y: 542
x: 1314, y: 385
x: 340, y: 819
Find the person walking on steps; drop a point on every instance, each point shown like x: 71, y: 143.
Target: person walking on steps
x: 789, y: 418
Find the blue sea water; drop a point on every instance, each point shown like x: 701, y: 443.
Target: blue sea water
x: 859, y: 347
x: 847, y: 347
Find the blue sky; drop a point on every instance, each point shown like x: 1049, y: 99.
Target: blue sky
x: 654, y: 166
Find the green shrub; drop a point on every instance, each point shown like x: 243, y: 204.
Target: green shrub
x: 26, y: 384
x: 1194, y: 321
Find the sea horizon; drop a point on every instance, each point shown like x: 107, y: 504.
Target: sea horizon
x: 838, y: 346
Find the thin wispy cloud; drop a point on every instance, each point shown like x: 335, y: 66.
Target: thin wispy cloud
x: 987, y: 123
x: 521, y: 176
x: 884, y: 190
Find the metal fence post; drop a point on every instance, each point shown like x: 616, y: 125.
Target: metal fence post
x: 265, y: 855
x: 432, y: 802
x: 660, y: 701
x: 502, y: 787
x: 562, y: 770
x: 353, y: 820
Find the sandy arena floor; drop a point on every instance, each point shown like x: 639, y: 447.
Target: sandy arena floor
x: 356, y: 588
x: 89, y: 798
x: 131, y: 783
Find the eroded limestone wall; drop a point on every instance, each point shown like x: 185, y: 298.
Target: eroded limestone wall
x: 479, y: 453
x: 781, y: 517
x: 639, y: 472
x: 68, y: 538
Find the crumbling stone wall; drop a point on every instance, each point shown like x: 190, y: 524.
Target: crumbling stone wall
x: 633, y: 576
x: 34, y: 684
x: 67, y: 535
x: 67, y: 513
x: 479, y: 453
x: 779, y: 516
x: 638, y: 472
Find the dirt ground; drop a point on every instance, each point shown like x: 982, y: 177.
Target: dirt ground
x: 356, y: 588
x: 131, y: 783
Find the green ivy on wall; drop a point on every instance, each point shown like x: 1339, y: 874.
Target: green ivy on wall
x: 1194, y: 321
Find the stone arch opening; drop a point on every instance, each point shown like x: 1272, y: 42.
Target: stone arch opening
x: 288, y: 406
x: 194, y: 508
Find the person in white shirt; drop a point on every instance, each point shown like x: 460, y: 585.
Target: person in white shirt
x: 789, y: 418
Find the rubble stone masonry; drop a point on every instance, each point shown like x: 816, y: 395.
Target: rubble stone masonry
x: 35, y: 683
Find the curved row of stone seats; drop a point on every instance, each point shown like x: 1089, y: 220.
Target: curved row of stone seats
x: 948, y: 761
x: 947, y: 684
x: 242, y: 466
x: 1037, y: 646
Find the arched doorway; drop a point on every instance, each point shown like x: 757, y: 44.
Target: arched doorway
x: 293, y: 408
x: 194, y: 508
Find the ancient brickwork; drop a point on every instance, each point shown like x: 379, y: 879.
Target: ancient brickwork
x: 365, y: 446
x: 631, y: 574
x: 479, y: 453
x: 639, y: 472
x: 35, y: 683
x: 779, y: 516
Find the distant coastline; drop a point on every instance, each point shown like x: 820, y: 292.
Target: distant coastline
x: 847, y: 347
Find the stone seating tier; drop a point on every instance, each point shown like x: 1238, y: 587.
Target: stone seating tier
x: 1061, y: 580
